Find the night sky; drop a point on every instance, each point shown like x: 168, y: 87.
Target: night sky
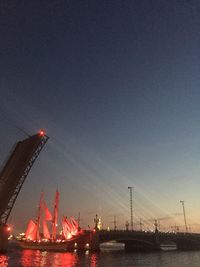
x: 116, y: 86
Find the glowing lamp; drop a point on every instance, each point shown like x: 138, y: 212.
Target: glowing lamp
x: 87, y: 245
x: 8, y: 228
x: 41, y: 132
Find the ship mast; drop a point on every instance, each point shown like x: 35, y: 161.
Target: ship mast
x: 39, y: 216
x: 55, y: 215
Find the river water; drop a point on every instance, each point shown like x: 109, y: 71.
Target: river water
x: 105, y: 258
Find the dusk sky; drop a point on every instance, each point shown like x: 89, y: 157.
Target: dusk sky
x: 116, y: 86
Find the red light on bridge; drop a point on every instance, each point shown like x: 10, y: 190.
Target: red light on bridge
x: 41, y: 132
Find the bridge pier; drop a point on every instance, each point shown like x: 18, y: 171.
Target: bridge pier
x: 94, y: 241
x: 3, y: 237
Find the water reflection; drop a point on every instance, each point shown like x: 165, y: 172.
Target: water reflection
x: 69, y: 259
x: 44, y: 258
x: 33, y: 257
x: 65, y: 259
x: 39, y: 258
x: 3, y: 260
x: 93, y: 260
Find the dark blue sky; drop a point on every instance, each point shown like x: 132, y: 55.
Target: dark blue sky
x: 116, y: 86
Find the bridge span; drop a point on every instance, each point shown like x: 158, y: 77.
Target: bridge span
x: 139, y: 241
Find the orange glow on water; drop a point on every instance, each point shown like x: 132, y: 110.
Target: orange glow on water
x: 37, y: 258
x: 93, y: 260
x: 28, y: 256
x: 68, y: 259
x: 3, y: 260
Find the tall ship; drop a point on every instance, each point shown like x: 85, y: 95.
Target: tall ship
x: 41, y: 233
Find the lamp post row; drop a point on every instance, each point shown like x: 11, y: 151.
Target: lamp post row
x: 131, y: 209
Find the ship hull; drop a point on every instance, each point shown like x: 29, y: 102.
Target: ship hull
x: 47, y: 246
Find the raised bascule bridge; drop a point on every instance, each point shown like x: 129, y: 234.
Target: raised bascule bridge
x: 13, y: 175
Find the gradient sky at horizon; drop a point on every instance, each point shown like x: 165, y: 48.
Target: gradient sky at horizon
x: 116, y: 86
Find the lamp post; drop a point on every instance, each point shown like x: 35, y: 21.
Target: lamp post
x: 131, y: 205
x: 186, y: 228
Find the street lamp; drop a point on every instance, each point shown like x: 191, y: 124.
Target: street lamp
x: 186, y: 228
x: 131, y: 205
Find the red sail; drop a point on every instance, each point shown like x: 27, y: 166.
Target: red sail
x: 66, y: 230
x: 48, y: 215
x: 74, y: 224
x: 45, y: 230
x: 55, y: 217
x: 69, y: 225
x: 31, y: 232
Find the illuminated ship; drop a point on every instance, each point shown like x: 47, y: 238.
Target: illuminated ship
x: 34, y: 239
